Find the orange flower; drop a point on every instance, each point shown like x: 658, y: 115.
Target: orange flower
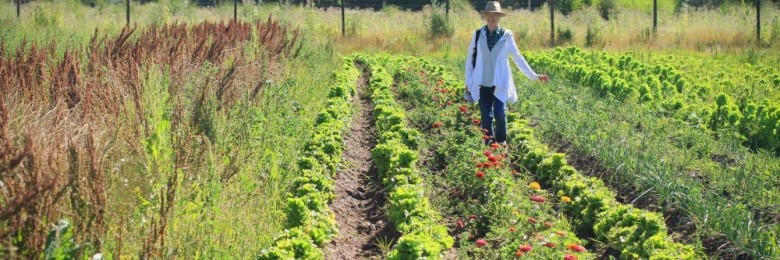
x: 576, y: 248
x: 519, y: 253
x: 534, y: 185
x: 565, y: 199
x: 512, y: 229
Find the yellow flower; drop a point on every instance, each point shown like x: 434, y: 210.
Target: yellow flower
x: 565, y: 199
x: 534, y: 185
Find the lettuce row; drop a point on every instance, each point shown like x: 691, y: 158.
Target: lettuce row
x: 310, y: 223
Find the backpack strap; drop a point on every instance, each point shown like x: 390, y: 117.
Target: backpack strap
x: 474, y: 56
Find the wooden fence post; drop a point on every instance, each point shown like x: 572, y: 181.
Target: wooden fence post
x: 128, y: 12
x: 655, y: 15
x: 758, y: 21
x: 552, y: 22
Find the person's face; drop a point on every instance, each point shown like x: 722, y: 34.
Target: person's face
x: 492, y: 19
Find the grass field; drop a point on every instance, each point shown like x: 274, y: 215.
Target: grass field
x: 187, y: 135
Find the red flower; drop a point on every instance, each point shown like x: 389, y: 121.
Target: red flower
x: 532, y: 220
x: 569, y: 257
x: 480, y: 175
x: 437, y: 124
x: 487, y: 153
x: 495, y: 145
x: 512, y: 229
x: 492, y: 158
x: 449, y: 103
x: 536, y: 198
x: 576, y: 248
x: 475, y: 121
x: 480, y: 165
x: 524, y: 248
x: 462, y: 109
x: 460, y: 224
x: 481, y: 242
x: 549, y: 244
x: 485, y: 137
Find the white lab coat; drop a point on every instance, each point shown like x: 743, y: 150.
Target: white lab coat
x: 505, y: 85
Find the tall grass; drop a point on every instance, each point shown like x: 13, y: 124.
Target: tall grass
x: 167, y: 141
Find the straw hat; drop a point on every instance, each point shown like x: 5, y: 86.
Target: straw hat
x: 493, y: 7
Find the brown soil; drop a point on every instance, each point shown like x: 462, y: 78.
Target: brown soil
x: 359, y: 200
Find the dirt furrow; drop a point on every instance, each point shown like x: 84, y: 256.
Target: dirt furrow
x: 363, y: 225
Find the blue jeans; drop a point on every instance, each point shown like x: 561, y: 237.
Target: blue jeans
x: 490, y: 106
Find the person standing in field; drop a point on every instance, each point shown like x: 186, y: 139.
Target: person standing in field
x: 488, y: 76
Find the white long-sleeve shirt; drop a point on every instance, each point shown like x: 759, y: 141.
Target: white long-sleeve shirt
x: 502, y: 74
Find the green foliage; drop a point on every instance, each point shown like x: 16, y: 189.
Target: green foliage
x: 564, y: 36
x: 607, y: 9
x: 566, y: 7
x: 593, y: 37
x: 60, y: 243
x: 439, y: 26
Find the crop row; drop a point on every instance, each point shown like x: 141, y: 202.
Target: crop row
x: 310, y: 223
x: 503, y: 214
x: 592, y: 207
x: 422, y: 235
x: 624, y: 78
x: 634, y: 232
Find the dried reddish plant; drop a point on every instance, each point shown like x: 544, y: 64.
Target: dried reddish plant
x: 60, y: 115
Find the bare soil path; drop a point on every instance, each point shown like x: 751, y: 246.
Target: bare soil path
x: 363, y: 225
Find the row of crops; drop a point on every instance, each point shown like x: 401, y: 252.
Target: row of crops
x: 524, y: 200
x: 742, y: 100
x: 658, y: 132
x: 310, y: 223
x: 501, y: 186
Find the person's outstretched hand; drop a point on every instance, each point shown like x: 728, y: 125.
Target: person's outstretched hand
x: 544, y: 78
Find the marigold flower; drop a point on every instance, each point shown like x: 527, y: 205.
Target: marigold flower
x: 565, y: 199
x: 535, y: 185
